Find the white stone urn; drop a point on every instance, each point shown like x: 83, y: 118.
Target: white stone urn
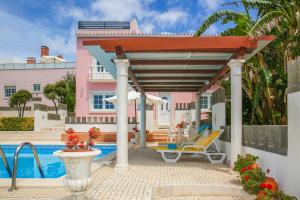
x: 78, y: 168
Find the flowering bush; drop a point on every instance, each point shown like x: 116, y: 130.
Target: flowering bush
x: 73, y: 143
x: 254, y: 179
x: 244, y: 161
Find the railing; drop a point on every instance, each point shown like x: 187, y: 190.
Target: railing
x: 54, y: 65
x: 103, y: 24
x: 15, y: 167
x: 96, y: 120
x: 95, y: 75
x: 5, y: 161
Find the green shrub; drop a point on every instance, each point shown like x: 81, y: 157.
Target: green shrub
x: 244, y: 161
x: 16, y: 123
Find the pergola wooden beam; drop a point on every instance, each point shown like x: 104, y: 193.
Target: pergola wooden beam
x: 181, y: 71
x: 169, y: 83
x: 121, y: 55
x: 175, y: 78
x: 177, y: 62
x: 238, y: 54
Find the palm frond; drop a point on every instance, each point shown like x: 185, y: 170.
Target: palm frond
x: 216, y: 17
x: 265, y: 20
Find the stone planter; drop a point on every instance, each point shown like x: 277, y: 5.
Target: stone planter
x: 78, y: 168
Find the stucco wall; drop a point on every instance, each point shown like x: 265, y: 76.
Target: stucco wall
x: 25, y: 78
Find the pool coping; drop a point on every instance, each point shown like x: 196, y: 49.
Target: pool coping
x: 53, y: 182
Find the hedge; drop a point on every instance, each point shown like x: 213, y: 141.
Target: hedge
x: 16, y: 123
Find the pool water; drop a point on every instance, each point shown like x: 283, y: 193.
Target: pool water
x: 52, y: 166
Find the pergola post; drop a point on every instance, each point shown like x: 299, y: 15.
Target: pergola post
x: 236, y: 107
x: 197, y: 112
x: 143, y: 119
x: 122, y: 112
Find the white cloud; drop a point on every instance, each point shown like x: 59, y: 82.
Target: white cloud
x: 20, y: 38
x: 149, y: 20
x: 117, y: 9
x: 171, y: 17
x: 210, y: 5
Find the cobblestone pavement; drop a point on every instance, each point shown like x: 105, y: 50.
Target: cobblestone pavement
x: 146, y: 170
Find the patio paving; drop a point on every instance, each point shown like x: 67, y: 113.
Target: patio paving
x: 146, y: 170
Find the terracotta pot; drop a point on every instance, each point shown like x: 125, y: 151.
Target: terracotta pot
x: 271, y: 181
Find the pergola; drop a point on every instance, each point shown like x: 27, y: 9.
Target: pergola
x: 174, y: 64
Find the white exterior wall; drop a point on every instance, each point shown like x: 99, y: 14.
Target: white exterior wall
x: 267, y: 160
x: 41, y: 120
x: 150, y: 122
x: 292, y: 169
x: 218, y: 116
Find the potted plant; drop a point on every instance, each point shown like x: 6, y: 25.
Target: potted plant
x: 78, y: 157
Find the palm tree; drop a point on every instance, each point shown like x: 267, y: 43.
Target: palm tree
x: 283, y: 15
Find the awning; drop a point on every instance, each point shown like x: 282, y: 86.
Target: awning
x: 183, y: 64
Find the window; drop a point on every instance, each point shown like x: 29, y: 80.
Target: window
x: 204, y: 102
x: 98, y: 102
x: 36, y: 87
x: 9, y: 90
x: 109, y: 105
x: 101, y: 69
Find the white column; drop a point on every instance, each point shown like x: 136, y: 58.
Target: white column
x: 143, y: 120
x: 122, y: 112
x: 197, y: 112
x: 236, y: 107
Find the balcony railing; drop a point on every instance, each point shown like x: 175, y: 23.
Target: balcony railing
x: 96, y: 76
x: 54, y: 65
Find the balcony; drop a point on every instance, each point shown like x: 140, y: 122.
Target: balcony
x: 98, y: 74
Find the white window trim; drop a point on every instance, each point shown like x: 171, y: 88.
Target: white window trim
x: 208, y: 103
x: 7, y: 97
x: 91, y: 102
x: 36, y: 92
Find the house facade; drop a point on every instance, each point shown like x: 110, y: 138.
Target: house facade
x: 33, y: 76
x: 94, y: 83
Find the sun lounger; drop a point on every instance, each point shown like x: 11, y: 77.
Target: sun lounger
x: 202, y: 146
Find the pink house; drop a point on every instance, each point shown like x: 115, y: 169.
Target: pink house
x: 33, y: 76
x: 94, y: 83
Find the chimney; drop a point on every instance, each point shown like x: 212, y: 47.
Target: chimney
x: 60, y: 56
x: 44, y: 51
x: 31, y: 60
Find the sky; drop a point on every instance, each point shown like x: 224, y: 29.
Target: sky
x: 28, y: 24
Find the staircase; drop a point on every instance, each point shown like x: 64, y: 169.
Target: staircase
x: 160, y: 135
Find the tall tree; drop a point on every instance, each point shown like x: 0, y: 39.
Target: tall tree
x: 50, y: 92
x: 19, y: 101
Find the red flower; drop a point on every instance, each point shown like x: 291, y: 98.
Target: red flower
x: 263, y: 185
x: 81, y: 145
x: 246, y: 178
x: 71, y: 137
x: 268, y: 171
x: 249, y: 167
x: 269, y: 186
x: 243, y: 169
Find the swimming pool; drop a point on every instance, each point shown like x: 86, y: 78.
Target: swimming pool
x: 52, y: 166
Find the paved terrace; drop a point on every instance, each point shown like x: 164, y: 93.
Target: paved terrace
x: 146, y: 170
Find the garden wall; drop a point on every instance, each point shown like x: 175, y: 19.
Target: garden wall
x: 45, y: 117
x: 267, y: 142
x: 105, y: 124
